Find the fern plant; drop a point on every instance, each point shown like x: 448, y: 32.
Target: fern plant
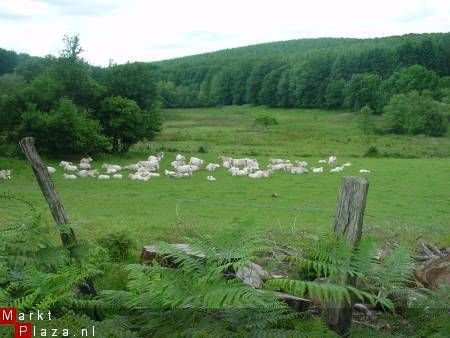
x: 315, y: 264
x: 192, y: 298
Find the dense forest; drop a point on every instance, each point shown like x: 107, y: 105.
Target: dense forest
x: 322, y: 73
x: 405, y: 78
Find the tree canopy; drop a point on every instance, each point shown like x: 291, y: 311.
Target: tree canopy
x: 71, y: 107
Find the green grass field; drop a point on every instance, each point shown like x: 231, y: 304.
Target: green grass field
x: 408, y: 196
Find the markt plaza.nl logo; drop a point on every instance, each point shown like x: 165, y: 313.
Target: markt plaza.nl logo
x: 21, y: 326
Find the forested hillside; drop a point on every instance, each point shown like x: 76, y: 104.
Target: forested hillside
x: 326, y: 73
x: 303, y: 73
x: 405, y: 78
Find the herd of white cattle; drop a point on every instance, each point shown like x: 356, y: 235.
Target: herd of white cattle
x: 181, y: 167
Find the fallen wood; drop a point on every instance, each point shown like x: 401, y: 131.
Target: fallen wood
x: 151, y: 253
x: 434, y: 250
x: 364, y: 309
x: 434, y: 272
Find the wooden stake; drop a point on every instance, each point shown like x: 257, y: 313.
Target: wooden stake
x: 347, y: 224
x: 67, y: 234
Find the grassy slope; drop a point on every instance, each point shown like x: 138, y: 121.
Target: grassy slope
x: 407, y: 197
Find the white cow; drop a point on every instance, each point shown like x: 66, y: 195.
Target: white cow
x: 184, y: 169
x: 5, y: 174
x: 212, y: 167
x: 336, y: 169
x: 196, y: 161
x: 86, y: 160
x: 104, y: 177
x: 332, y: 160
x: 298, y: 170
x: 64, y: 163
x: 69, y: 177
x: 71, y: 168
x: 317, y: 170
x: 259, y: 174
x: 180, y: 158
x: 85, y: 165
x: 133, y: 166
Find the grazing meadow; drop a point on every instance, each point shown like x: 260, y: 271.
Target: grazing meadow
x: 409, y: 194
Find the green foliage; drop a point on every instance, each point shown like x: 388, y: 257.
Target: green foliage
x: 202, y: 149
x: 118, y: 245
x: 72, y: 48
x: 331, y: 259
x: 428, y: 314
x: 31, y: 103
x: 10, y: 113
x: 366, y: 121
x: 125, y: 122
x: 362, y: 90
x: 415, y: 77
x: 64, y: 130
x: 193, y: 298
x: 372, y: 151
x: 11, y: 83
x: 134, y: 81
x: 412, y: 113
x: 33, y: 67
x: 44, y: 92
x: 266, y: 121
x: 197, y: 296
x: 309, y: 72
x: 334, y: 95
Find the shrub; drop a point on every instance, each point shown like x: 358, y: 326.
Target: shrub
x: 118, y: 245
x: 365, y: 120
x: 372, y: 151
x: 266, y: 121
x: 202, y: 149
x: 64, y: 130
x: 126, y: 123
x: 413, y: 114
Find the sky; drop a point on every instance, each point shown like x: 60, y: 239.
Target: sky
x: 150, y: 30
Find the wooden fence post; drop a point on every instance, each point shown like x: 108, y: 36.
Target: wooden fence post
x: 347, y: 224
x: 67, y: 234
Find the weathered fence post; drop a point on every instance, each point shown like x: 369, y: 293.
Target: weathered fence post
x: 347, y: 224
x: 67, y: 234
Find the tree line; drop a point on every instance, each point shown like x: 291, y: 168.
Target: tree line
x: 322, y: 73
x: 70, y: 106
